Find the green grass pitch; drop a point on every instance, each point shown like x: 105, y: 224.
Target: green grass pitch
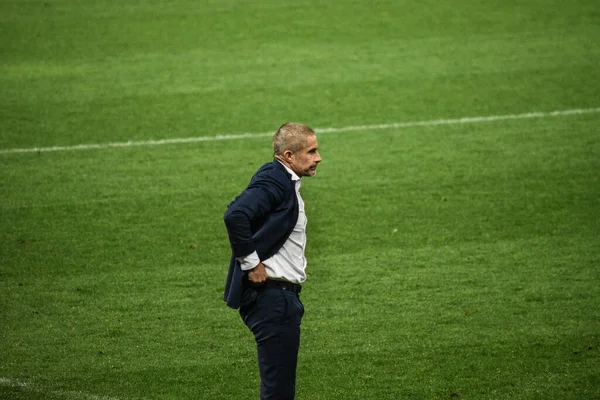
x: 446, y: 260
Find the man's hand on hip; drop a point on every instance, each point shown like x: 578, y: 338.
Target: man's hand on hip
x: 258, y: 274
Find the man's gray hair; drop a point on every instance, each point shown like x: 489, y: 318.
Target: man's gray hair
x: 291, y: 136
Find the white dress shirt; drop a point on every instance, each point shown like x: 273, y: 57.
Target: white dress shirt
x: 289, y: 263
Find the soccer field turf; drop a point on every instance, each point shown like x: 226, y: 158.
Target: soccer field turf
x: 454, y: 224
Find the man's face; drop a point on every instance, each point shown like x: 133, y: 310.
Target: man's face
x: 304, y: 162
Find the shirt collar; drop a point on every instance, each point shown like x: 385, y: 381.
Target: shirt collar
x: 292, y: 173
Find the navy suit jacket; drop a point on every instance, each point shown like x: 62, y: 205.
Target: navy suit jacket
x: 260, y: 219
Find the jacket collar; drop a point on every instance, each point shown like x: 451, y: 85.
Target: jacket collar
x: 291, y: 173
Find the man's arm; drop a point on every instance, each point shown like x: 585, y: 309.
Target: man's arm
x: 260, y: 198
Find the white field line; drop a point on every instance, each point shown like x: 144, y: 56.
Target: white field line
x: 435, y: 122
x: 72, y: 395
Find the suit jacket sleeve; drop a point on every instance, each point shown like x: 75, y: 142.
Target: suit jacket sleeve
x: 247, y: 212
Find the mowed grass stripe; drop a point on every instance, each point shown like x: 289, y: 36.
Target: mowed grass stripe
x: 29, y: 388
x: 435, y: 122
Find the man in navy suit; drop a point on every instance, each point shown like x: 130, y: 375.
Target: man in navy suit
x: 266, y: 225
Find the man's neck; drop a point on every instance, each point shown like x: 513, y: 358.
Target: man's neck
x: 295, y: 176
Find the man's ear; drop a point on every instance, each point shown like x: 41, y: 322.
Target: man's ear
x: 288, y: 155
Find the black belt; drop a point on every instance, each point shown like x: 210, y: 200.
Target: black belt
x: 283, y: 285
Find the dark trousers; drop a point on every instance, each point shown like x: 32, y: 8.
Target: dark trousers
x: 274, y: 317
